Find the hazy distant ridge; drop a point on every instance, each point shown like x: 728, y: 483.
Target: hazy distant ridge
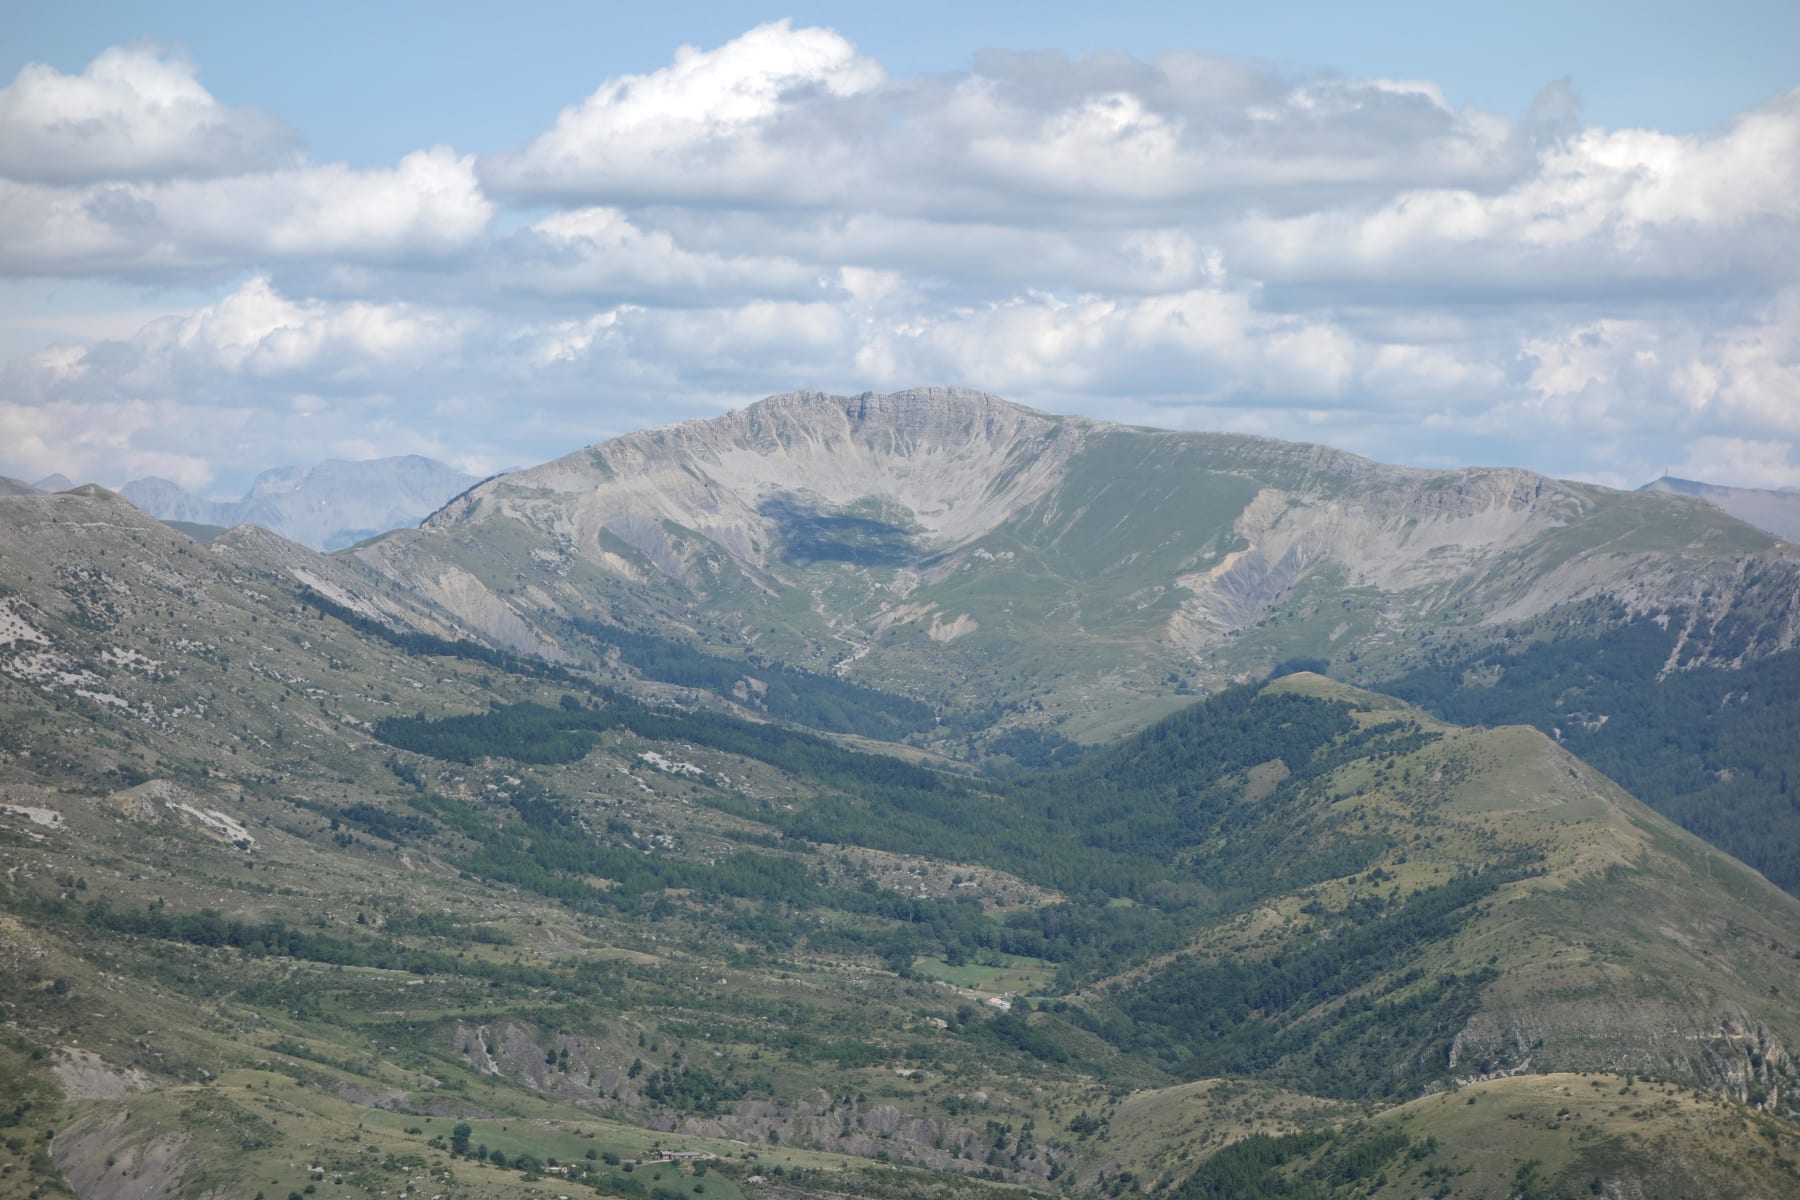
x: 328, y: 506
x: 1776, y: 512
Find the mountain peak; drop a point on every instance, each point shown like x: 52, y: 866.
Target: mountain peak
x: 917, y: 419
x: 940, y: 465
x: 917, y: 539
x: 910, y: 406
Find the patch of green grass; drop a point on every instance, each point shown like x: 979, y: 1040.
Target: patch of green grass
x: 1014, y: 975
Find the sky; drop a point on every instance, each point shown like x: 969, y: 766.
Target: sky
x: 1560, y: 236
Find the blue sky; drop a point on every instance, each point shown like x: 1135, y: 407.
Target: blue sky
x: 368, y: 82
x: 1559, y: 235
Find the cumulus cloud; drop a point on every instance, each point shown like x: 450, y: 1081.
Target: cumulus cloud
x: 796, y: 118
x: 135, y: 112
x: 600, y: 253
x: 1118, y: 137
x: 1604, y: 210
x: 1746, y: 462
x: 227, y: 389
x: 1750, y: 373
x: 426, y: 207
x: 1625, y: 373
x: 713, y: 124
x: 98, y: 440
x: 252, y: 337
x: 1185, y: 239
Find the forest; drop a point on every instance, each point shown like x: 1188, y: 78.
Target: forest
x: 785, y: 693
x: 1155, y: 821
x: 1168, y: 790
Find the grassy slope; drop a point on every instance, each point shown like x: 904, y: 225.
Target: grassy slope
x: 1632, y: 923
x: 1067, y: 617
x: 282, y: 745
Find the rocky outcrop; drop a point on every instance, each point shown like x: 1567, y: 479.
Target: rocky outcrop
x: 107, y: 1155
x: 84, y: 1075
x: 596, y: 1074
x: 1736, y: 1056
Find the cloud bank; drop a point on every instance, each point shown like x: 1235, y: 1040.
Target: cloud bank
x: 1186, y: 240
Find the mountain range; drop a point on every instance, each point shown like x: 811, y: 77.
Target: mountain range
x: 1038, y: 581
x: 908, y: 795
x: 328, y: 507
x: 930, y: 539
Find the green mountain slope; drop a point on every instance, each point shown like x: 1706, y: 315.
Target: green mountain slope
x: 1710, y: 746
x: 285, y: 885
x: 949, y: 544
x: 1008, y: 586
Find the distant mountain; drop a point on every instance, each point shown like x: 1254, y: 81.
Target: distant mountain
x: 168, y: 501
x: 328, y: 507
x: 1776, y: 512
x: 1039, y: 580
x: 15, y: 487
x: 54, y: 483
x: 951, y: 545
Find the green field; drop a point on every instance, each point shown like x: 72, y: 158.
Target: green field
x: 1016, y: 975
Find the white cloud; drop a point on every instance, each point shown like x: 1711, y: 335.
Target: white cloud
x: 961, y: 261
x: 135, y: 112
x: 252, y: 343
x: 796, y: 118
x: 1744, y: 462
x: 1749, y: 374
x: 713, y: 124
x: 257, y: 333
x: 427, y: 206
x: 1605, y: 209
x: 98, y: 441
x: 1668, y: 375
x: 1185, y: 239
x: 601, y: 252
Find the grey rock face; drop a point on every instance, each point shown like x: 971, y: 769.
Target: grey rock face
x: 918, y: 540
